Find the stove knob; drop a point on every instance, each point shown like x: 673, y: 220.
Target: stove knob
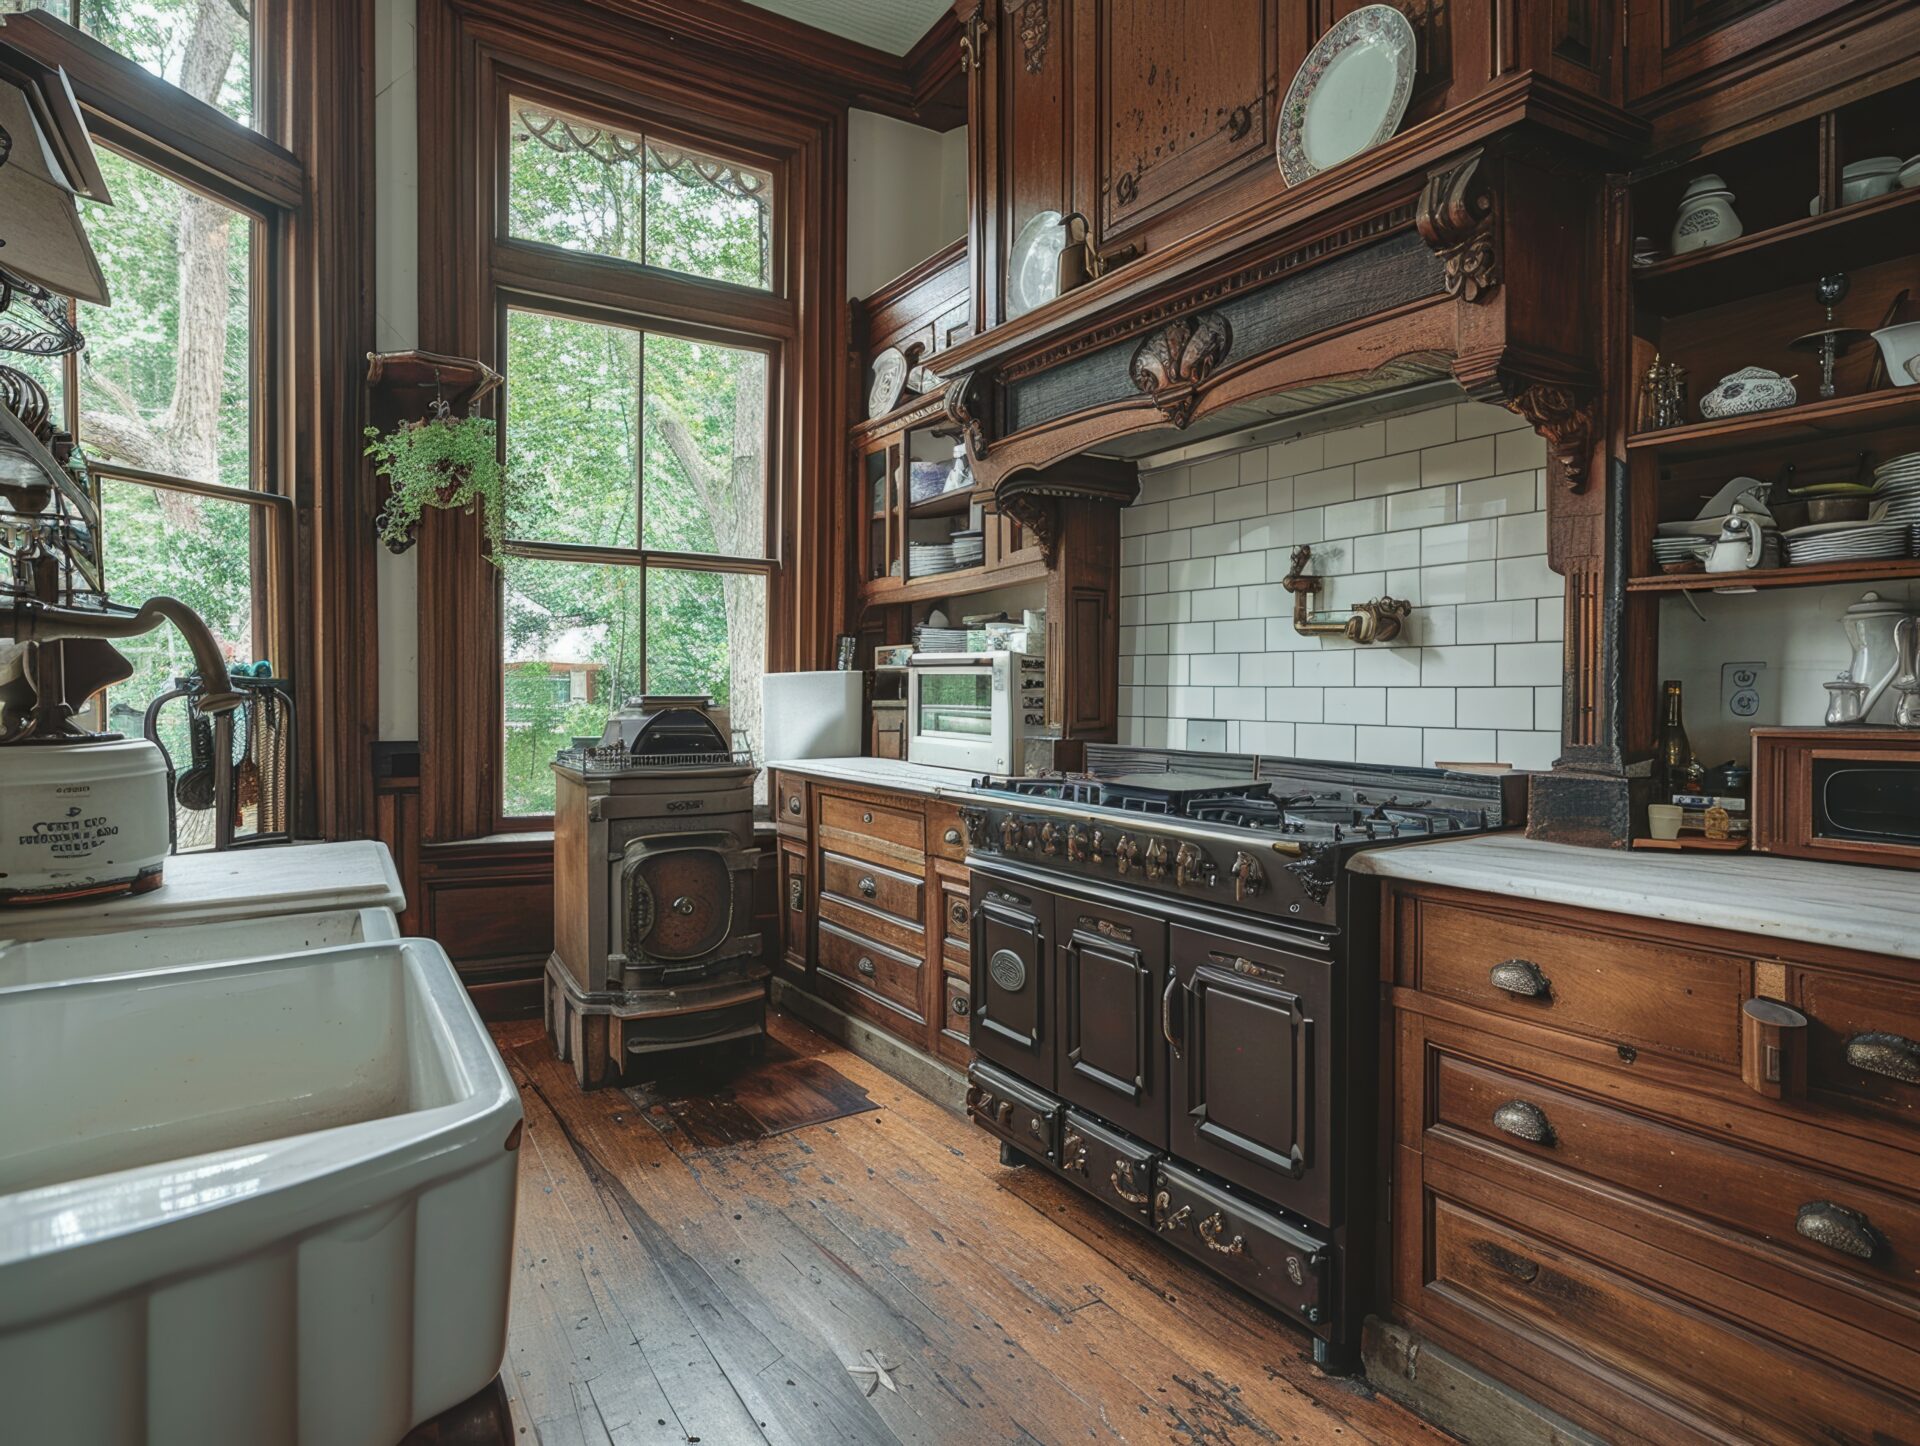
x: 1099, y: 843
x: 1190, y: 866
x: 1247, y: 878
x: 1126, y: 853
x: 1156, y: 858
x: 1009, y: 835
x: 1076, y: 844
x: 1050, y: 839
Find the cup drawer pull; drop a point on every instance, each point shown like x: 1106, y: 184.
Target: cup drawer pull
x: 1125, y: 1188
x: 1521, y: 977
x: 1838, y: 1228
x: 1523, y: 1121
x: 1885, y: 1054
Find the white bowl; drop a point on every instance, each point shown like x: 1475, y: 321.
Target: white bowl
x: 1870, y: 166
x: 1909, y: 176
x: 1900, y: 345
x: 1865, y: 188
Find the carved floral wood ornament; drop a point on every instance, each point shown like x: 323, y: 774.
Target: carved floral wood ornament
x: 1564, y: 416
x: 1035, y: 21
x: 1173, y: 364
x: 1455, y: 218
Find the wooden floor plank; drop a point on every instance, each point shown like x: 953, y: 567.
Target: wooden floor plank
x: 887, y: 1252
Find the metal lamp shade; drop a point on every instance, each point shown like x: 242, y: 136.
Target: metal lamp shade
x: 42, y: 239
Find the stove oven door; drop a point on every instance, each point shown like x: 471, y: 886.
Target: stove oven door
x: 1110, y: 977
x: 1012, y: 983
x: 681, y: 900
x: 1250, y: 1032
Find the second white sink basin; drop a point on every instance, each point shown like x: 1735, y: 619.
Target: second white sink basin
x: 90, y: 956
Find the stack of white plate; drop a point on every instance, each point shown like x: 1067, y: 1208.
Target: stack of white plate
x: 1847, y: 542
x: 969, y: 548
x: 1669, y: 550
x: 1898, y: 482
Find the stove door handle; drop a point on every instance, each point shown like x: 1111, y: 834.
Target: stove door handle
x: 1166, y: 1016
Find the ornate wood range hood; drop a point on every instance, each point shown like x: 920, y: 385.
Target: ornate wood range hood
x: 1467, y: 247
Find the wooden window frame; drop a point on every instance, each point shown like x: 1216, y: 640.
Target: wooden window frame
x: 473, y: 56
x: 298, y: 173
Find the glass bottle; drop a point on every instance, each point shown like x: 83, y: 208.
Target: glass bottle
x: 1675, y: 754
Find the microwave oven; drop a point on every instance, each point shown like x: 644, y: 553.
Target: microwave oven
x: 1846, y: 795
x: 973, y: 710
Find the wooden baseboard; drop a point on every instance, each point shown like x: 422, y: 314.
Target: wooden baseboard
x: 1454, y: 1396
x: 919, y: 1071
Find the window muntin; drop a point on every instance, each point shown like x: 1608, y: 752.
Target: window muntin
x: 601, y: 190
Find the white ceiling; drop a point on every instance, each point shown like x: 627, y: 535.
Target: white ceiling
x: 890, y: 25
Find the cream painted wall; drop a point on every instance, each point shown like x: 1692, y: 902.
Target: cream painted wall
x: 906, y: 196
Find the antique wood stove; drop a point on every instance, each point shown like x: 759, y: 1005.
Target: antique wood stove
x: 653, y: 891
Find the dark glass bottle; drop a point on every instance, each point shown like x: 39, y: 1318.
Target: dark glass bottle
x: 1674, y: 758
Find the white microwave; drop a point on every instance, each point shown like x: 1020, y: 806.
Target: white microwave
x: 973, y: 710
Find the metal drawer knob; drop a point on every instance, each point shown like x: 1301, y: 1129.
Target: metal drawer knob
x: 796, y: 894
x: 1891, y: 1055
x: 952, y: 835
x: 957, y: 914
x: 865, y: 966
x: 961, y: 1005
x: 1164, y: 1221
x: 793, y: 803
x: 1210, y: 1230
x: 1521, y: 977
x: 1524, y: 1122
x: 868, y: 888
x: 866, y: 818
x: 1838, y: 1228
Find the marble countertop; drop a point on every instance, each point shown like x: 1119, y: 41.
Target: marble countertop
x: 1876, y: 911
x: 236, y: 884
x: 920, y: 778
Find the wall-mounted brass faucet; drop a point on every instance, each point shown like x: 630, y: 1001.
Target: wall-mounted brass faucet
x: 1371, y: 622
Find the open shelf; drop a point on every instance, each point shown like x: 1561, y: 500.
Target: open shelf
x: 1809, y: 422
x: 1812, y: 576
x: 1844, y: 239
x: 947, y: 504
x: 891, y: 591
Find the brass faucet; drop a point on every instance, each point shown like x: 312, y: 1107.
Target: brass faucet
x: 1372, y: 622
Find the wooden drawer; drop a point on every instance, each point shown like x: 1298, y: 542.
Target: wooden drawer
x: 953, y: 1041
x: 871, y: 968
x: 956, y: 915
x: 790, y: 801
x: 1609, y: 1338
x: 1026, y: 1118
x: 945, y: 836
x: 1776, y: 1205
x: 869, y: 830
x: 1251, y: 1246
x: 1613, y: 988
x: 873, y: 886
x: 796, y: 938
x: 1863, y: 1050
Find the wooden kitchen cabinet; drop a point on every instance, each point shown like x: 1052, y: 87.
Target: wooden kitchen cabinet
x: 876, y: 919
x: 1590, y: 1202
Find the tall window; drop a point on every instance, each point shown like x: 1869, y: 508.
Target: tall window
x: 638, y: 442
x: 165, y: 397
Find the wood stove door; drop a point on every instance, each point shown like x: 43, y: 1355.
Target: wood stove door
x: 1111, y: 968
x: 1012, y: 981
x: 1249, y: 1026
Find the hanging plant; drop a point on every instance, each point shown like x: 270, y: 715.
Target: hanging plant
x: 445, y: 461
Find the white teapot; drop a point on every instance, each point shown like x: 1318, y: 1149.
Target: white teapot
x: 1740, y: 544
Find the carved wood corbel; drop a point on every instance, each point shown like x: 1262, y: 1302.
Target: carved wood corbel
x: 1172, y: 365
x: 1565, y: 417
x: 1038, y: 515
x: 962, y: 411
x: 1455, y: 219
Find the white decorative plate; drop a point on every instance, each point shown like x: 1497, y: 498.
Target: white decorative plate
x: 1033, y: 272
x: 889, y: 376
x: 1349, y: 93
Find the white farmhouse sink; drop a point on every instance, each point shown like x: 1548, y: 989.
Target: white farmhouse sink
x: 85, y: 956
x: 261, y: 1201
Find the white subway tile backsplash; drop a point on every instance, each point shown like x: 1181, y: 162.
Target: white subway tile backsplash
x: 1420, y: 429
x: 1444, y: 508
x: 1528, y: 664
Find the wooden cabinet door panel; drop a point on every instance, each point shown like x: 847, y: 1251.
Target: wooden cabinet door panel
x: 1673, y: 41
x: 1188, y: 91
